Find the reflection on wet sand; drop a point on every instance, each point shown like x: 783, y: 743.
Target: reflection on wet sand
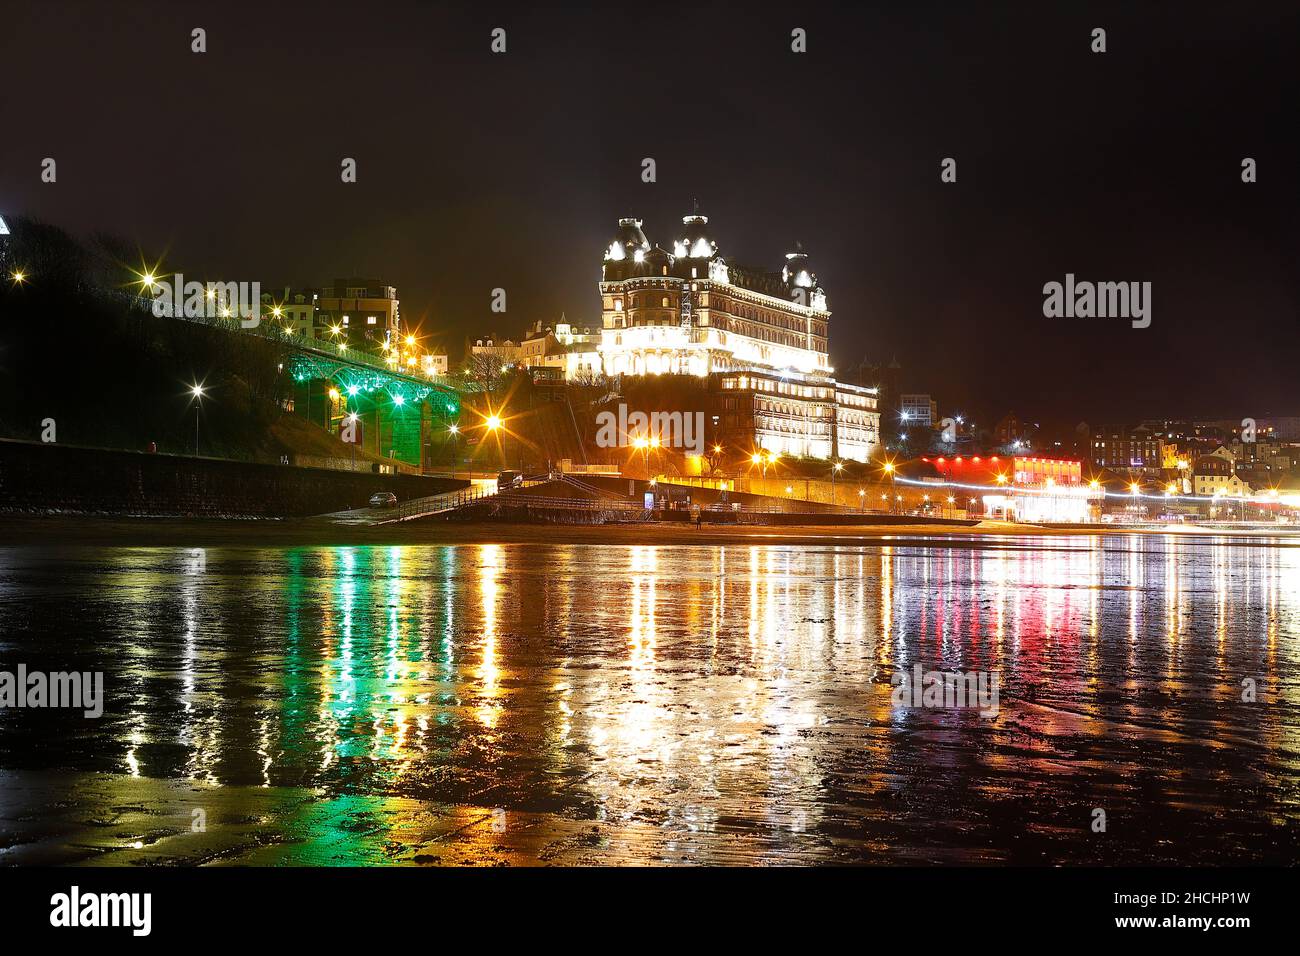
x: 573, y: 703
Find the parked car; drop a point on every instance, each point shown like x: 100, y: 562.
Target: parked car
x: 509, y: 479
x: 383, y: 499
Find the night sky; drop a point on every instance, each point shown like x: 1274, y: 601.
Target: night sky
x: 479, y: 171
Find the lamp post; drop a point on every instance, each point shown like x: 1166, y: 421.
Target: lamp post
x: 197, y: 392
x: 492, y: 424
x: 352, y: 419
x: 839, y: 466
x: 454, y: 431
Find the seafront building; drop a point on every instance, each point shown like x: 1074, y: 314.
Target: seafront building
x: 758, y: 338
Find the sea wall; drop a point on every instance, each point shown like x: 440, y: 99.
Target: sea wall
x: 41, y: 478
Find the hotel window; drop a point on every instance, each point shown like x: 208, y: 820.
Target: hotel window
x: 371, y: 320
x: 665, y: 304
x: 618, y: 305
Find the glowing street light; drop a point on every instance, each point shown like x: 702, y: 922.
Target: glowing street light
x: 196, y: 391
x: 19, y: 277
x: 493, y: 422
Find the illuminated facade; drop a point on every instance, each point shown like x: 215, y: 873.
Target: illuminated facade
x: 1048, y: 490
x: 760, y: 338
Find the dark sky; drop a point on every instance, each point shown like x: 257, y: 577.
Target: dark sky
x: 479, y: 171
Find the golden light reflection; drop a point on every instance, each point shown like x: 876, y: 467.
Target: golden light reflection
x: 491, y: 566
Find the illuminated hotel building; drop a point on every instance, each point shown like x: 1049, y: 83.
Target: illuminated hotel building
x: 758, y: 338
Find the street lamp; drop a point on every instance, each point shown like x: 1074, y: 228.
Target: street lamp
x: 197, y: 392
x: 839, y: 466
x: 352, y: 420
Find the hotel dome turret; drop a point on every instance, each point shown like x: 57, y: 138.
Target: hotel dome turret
x: 695, y: 242
x: 629, y: 243
x: 797, y: 271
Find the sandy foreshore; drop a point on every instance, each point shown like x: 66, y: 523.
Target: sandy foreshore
x: 31, y: 531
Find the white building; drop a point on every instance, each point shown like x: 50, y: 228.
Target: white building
x: 759, y: 337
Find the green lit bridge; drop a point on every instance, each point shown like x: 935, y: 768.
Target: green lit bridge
x: 355, y: 395
x: 389, y: 413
